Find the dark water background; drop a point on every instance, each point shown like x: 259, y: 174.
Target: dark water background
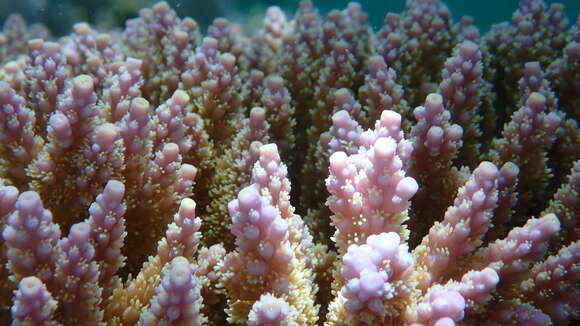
x: 60, y: 15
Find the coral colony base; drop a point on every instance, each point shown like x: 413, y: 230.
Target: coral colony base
x: 315, y: 173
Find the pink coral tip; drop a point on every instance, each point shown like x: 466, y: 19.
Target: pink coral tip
x: 105, y: 135
x: 83, y: 86
x: 385, y: 148
x: 468, y: 49
x: 115, y: 188
x: 269, y: 152
x: 407, y: 188
x: 187, y: 207
x: 390, y: 118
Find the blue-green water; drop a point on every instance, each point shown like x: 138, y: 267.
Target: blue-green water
x: 59, y: 15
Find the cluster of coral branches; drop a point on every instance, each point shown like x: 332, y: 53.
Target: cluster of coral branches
x: 315, y: 173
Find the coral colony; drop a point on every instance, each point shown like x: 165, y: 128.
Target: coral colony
x: 315, y: 173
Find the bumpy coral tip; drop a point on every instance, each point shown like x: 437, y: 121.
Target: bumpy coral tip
x: 35, y: 44
x: 187, y: 207
x: 510, y: 170
x: 385, y: 148
x: 59, y: 124
x: 376, y: 62
x: 532, y: 67
x: 28, y: 202
x: 257, y: 113
x: 188, y: 171
x: 341, y: 95
x: 271, y: 311
x: 449, y: 303
x: 386, y: 243
x: 536, y: 101
x: 105, y: 135
x: 249, y: 197
x: 434, y: 99
x: 80, y: 231
x: 171, y: 151
x: 275, y: 81
x: 30, y: 286
x: 486, y: 170
x: 139, y: 106
x: 228, y: 60
x: 83, y: 84
x: 338, y: 162
x: 115, y: 187
x: 180, y: 97
x: 269, y: 151
x: 435, y: 135
x: 8, y: 196
x: 161, y: 6
x: 390, y: 118
x: 180, y: 271
x: 407, y: 188
x: 468, y: 49
x: 445, y: 322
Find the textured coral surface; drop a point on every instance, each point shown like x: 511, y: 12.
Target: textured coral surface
x: 316, y: 172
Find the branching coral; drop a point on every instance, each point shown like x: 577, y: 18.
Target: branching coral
x: 157, y: 176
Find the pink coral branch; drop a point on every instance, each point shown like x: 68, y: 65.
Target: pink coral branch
x: 177, y: 299
x: 31, y: 237
x: 33, y: 304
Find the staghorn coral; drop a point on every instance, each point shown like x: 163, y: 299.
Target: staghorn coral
x: 316, y: 173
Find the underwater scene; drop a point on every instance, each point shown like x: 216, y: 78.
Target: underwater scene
x: 289, y: 163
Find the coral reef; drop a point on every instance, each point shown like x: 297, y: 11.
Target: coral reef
x: 315, y: 173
